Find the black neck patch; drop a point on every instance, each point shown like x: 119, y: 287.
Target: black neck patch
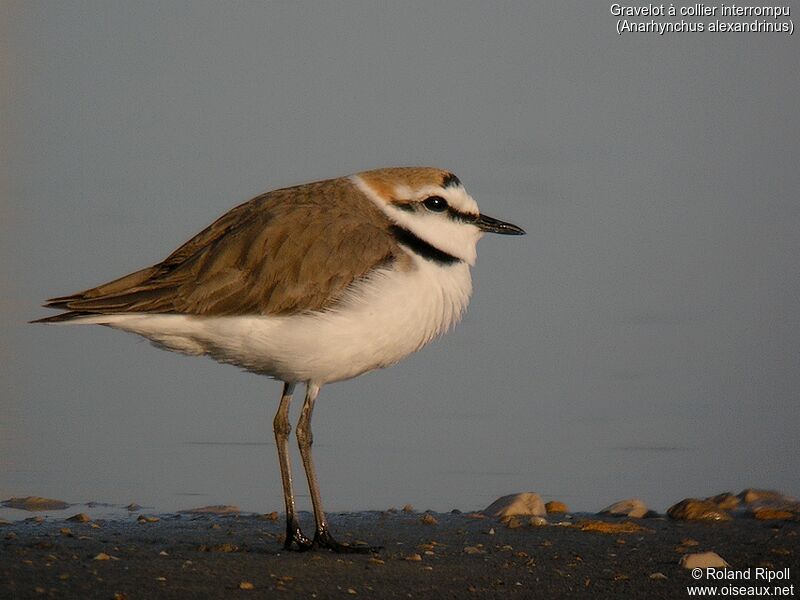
x: 421, y: 247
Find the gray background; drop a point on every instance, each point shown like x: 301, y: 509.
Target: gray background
x: 642, y: 340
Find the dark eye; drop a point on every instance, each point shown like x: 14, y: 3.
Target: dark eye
x: 435, y: 204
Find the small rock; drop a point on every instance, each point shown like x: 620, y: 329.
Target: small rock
x: 633, y: 508
x: 413, y: 557
x: 689, y: 542
x: 538, y: 522
x: 512, y: 522
x: 216, y: 509
x: 657, y: 575
x: 408, y: 508
x: 556, y: 507
x: 429, y: 519
x: 703, y: 560
x: 351, y: 591
x: 33, y: 503
x: 104, y: 556
x: 753, y: 495
x: 491, y: 531
x: 472, y: 550
x: 11, y: 535
x: 132, y: 507
x: 692, y: 509
x: 376, y: 561
x: 725, y: 501
x: 770, y: 505
x: 246, y: 585
x: 80, y: 518
x: 525, y: 504
x: 66, y: 532
x: 147, y: 519
x: 613, y: 528
x: 273, y: 516
x: 772, y: 514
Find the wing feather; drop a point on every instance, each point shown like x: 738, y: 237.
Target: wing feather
x: 285, y: 252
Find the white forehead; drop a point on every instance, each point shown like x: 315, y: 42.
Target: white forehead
x: 456, y: 196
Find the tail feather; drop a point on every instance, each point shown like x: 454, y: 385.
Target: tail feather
x: 62, y: 318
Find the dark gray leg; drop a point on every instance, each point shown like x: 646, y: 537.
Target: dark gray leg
x: 282, y: 429
x: 305, y: 439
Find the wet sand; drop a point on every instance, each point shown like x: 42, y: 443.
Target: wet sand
x: 182, y: 556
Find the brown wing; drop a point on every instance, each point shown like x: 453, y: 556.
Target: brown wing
x: 285, y: 252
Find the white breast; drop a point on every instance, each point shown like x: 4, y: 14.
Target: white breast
x: 384, y: 319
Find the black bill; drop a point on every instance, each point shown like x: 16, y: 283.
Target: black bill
x: 491, y: 225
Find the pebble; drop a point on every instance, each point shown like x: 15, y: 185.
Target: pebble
x: 765, y: 513
x: 613, y: 528
x: 724, y: 501
x: 753, y: 495
x: 555, y: 507
x: 408, y: 508
x: 512, y: 522
x: 104, y: 556
x: 132, y: 507
x: 538, y: 522
x: 657, y: 575
x: 769, y: 505
x: 32, y: 503
x: 526, y: 504
x: 693, y: 509
x: 429, y: 519
x: 80, y: 518
x: 632, y: 507
x: 246, y: 585
x: 702, y: 560
x: 147, y: 519
x: 413, y: 557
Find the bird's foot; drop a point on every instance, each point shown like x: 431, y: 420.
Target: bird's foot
x: 295, y: 536
x: 323, y: 539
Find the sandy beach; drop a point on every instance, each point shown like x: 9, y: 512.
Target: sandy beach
x: 424, y: 555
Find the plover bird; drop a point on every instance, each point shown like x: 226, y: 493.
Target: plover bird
x: 309, y: 284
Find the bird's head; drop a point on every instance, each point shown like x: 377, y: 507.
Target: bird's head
x: 433, y: 205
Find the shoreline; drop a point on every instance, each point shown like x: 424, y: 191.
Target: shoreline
x: 424, y: 555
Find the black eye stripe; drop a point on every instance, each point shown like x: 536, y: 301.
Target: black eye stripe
x: 453, y: 213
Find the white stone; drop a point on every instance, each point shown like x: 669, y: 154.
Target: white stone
x: 633, y: 507
x: 525, y: 504
x: 703, y: 560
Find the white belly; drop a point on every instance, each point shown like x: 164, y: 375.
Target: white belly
x: 385, y: 319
